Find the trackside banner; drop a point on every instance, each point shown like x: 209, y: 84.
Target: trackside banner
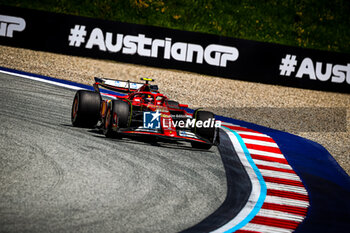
x: 166, y: 48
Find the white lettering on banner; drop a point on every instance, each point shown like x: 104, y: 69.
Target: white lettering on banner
x: 327, y: 74
x: 213, y: 54
x: 306, y: 68
x: 96, y: 38
x: 222, y: 54
x: 339, y: 74
x: 117, y: 46
x: 130, y: 45
x: 9, y: 24
x: 322, y: 71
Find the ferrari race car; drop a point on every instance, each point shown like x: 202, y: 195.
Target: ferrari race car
x: 142, y: 111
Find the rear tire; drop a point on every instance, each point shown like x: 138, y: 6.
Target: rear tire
x: 117, y: 116
x: 207, y: 133
x: 86, y: 109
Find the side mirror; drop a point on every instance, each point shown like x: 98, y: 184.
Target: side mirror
x: 183, y: 105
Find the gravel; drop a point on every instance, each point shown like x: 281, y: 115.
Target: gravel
x: 297, y: 111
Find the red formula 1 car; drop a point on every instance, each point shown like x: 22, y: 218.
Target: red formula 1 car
x: 143, y: 111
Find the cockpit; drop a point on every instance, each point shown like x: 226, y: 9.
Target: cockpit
x: 147, y: 98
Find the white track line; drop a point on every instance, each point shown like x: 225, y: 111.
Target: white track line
x: 252, y: 134
x: 259, y: 142
x: 272, y: 164
x: 285, y: 187
x: 266, y: 153
x: 276, y: 174
x: 256, y: 188
x: 286, y: 201
x: 280, y: 215
x: 265, y: 229
x: 43, y: 80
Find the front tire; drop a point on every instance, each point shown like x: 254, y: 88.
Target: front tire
x: 86, y: 109
x: 205, y: 132
x: 117, y: 117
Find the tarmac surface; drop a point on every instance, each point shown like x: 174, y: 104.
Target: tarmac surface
x: 58, y: 178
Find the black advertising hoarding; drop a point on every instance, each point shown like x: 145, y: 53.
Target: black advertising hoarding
x: 166, y: 48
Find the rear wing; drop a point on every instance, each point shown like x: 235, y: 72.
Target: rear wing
x: 116, y: 85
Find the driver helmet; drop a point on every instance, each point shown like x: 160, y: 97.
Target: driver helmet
x: 148, y: 99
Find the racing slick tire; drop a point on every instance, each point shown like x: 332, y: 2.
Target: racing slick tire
x: 86, y: 109
x: 205, y: 132
x: 117, y: 116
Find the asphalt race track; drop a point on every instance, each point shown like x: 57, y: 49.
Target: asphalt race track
x: 57, y: 178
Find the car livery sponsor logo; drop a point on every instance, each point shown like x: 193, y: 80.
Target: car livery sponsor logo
x: 151, y: 120
x: 187, y: 134
x: 157, y: 107
x: 165, y: 115
x: 212, y: 54
x: 335, y: 73
x: 9, y: 24
x: 146, y: 130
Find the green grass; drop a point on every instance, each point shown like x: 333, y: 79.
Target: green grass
x: 317, y: 24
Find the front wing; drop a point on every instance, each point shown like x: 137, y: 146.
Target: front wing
x: 190, y: 138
